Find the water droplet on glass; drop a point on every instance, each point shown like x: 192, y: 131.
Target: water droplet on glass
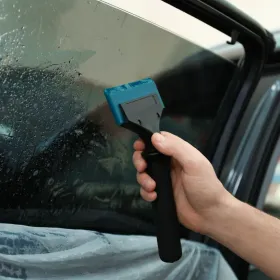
x: 79, y: 132
x: 50, y: 181
x: 36, y: 172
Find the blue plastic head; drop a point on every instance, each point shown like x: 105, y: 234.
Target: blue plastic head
x: 125, y: 93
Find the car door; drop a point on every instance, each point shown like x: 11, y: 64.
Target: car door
x: 257, y: 137
x: 268, y: 200
x: 64, y: 163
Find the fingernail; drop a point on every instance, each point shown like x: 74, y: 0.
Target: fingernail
x: 159, y: 138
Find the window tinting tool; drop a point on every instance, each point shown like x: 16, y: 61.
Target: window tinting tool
x: 137, y: 106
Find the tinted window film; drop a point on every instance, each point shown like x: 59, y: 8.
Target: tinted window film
x: 63, y: 161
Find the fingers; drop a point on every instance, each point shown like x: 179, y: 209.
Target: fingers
x: 138, y: 161
x: 148, y: 186
x: 146, y: 182
x: 171, y: 145
x: 148, y: 196
x: 139, y: 145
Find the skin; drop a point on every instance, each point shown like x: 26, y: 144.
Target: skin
x: 205, y: 206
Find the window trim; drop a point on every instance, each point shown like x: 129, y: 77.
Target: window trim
x: 257, y: 43
x: 249, y: 140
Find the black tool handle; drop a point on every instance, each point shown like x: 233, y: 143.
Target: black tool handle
x: 168, y: 229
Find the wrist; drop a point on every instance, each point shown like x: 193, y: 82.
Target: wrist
x: 220, y: 215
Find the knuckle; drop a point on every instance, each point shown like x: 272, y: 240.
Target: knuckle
x: 141, y: 179
x: 138, y: 178
x: 135, y: 156
x: 198, y: 165
x: 143, y: 194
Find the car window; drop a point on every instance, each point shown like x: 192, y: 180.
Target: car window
x: 63, y: 161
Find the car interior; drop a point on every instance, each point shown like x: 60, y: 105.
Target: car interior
x: 63, y: 161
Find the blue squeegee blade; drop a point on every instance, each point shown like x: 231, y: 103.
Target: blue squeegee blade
x: 128, y: 92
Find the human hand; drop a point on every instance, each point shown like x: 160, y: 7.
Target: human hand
x: 198, y: 193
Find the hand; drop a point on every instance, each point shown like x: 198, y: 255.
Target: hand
x: 197, y: 190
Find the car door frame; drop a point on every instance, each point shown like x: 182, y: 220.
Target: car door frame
x: 248, y: 161
x: 258, y: 44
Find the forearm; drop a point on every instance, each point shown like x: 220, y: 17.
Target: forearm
x: 250, y: 233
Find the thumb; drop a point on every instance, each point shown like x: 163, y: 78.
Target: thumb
x: 171, y: 145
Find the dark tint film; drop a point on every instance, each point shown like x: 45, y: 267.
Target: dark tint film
x: 63, y: 161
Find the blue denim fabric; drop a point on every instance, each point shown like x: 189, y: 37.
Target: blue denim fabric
x: 47, y: 253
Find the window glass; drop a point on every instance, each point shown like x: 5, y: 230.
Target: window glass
x: 63, y: 161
